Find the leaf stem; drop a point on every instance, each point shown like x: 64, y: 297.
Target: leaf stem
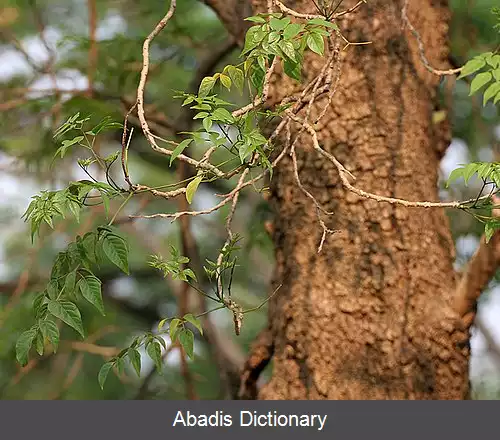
x: 130, y: 195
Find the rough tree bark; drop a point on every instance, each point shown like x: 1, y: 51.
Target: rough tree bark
x: 371, y: 317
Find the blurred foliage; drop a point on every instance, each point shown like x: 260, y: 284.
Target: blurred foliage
x: 136, y: 303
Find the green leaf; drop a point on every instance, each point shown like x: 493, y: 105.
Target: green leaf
x: 161, y: 341
x: 192, y: 187
x: 479, y: 81
x: 497, y: 98
x: 38, y: 303
x: 105, y: 124
x: 75, y: 208
x: 103, y: 373
x: 237, y: 77
x: 207, y: 124
x: 174, y: 326
x: 490, y: 228
x: 188, y: 273
x: 321, y: 22
x: 179, y: 149
x: 201, y: 115
x: 273, y: 37
x: 257, y: 138
x: 454, y: 175
x: 471, y: 67
x: 251, y: 39
x: 494, y: 61
x: 188, y: 100
x: 69, y: 282
x: 70, y: 143
x: 23, y: 345
x: 491, y: 91
x: 119, y: 363
x: 90, y: 287
x: 470, y: 170
x: 161, y: 324
x: 89, y: 243
x: 226, y: 81
x: 206, y: 86
x: 288, y: 49
x: 279, y: 24
x: 320, y: 31
x: 39, y: 344
x: 52, y: 289
x: 67, y: 312
x: 292, y: 69
x: 115, y: 248
x: 67, y: 126
x: 256, y: 19
x: 135, y: 360
x: 66, y: 145
x: 186, y: 339
x: 316, y: 43
x: 291, y: 31
x: 245, y: 150
x: 484, y: 170
x: 195, y: 321
x: 223, y: 115
x: 153, y: 349
x: 51, y: 332
x: 261, y: 61
x: 265, y: 162
x: 257, y: 78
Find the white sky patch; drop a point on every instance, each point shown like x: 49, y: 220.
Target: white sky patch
x: 467, y: 244
x: 482, y: 362
x: 456, y: 154
x: 112, y: 25
x: 68, y: 80
x: 485, y: 154
x: 497, y: 132
x: 13, y: 63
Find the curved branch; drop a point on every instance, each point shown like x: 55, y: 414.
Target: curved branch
x: 481, y: 268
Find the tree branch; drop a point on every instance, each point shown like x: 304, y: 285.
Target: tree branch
x: 481, y: 268
x: 232, y: 14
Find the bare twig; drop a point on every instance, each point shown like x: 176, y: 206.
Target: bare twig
x: 421, y: 48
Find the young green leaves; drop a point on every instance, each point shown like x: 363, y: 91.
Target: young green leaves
x: 230, y: 76
x: 85, y: 136
x: 489, y: 63
x: 179, y: 332
x: 489, y: 173
x: 275, y: 35
x: 50, y: 205
x: 72, y: 280
x: 483, y: 170
x: 24, y: 343
x: 153, y: 346
x: 192, y: 187
x: 174, y: 266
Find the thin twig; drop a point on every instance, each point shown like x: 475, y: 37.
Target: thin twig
x: 421, y: 48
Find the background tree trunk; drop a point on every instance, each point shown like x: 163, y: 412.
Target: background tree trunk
x: 370, y: 317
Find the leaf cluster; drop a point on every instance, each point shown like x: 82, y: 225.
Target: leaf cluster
x: 72, y: 279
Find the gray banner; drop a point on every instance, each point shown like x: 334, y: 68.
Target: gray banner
x: 125, y: 420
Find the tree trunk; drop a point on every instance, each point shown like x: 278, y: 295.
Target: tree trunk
x: 370, y: 317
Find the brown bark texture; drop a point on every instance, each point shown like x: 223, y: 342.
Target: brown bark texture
x: 371, y: 316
